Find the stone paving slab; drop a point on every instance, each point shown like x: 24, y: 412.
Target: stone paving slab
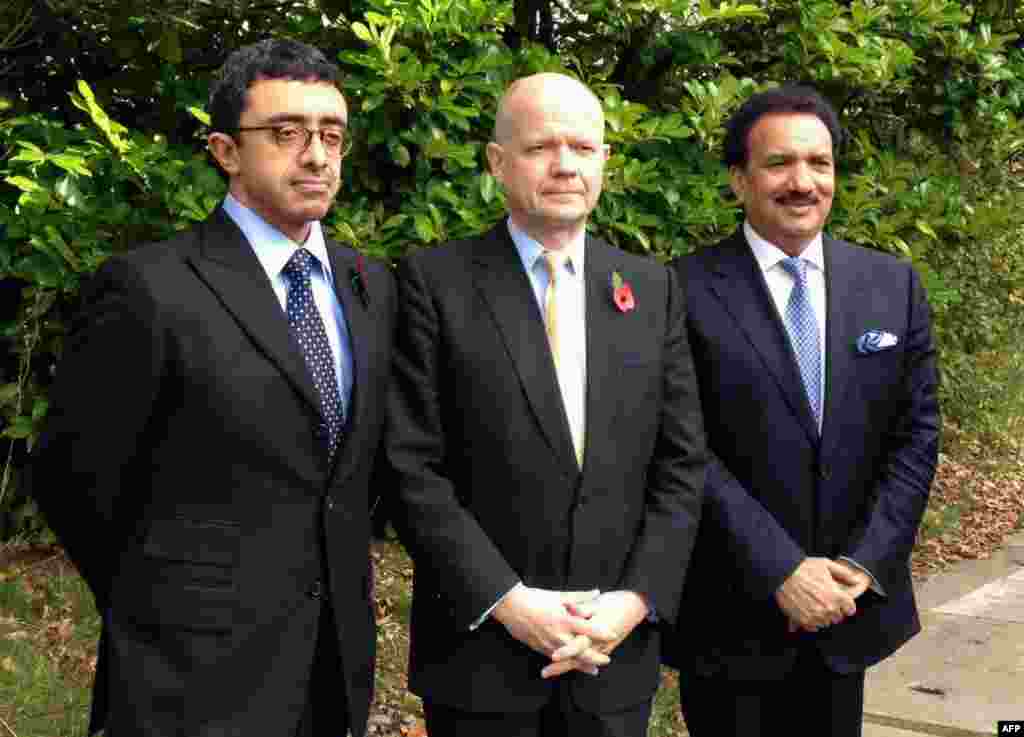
x: 965, y: 671
x: 1002, y: 600
x: 878, y: 730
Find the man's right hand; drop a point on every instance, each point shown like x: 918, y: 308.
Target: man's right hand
x: 538, y: 618
x: 812, y: 598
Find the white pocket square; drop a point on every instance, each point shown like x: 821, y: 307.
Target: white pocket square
x: 874, y: 341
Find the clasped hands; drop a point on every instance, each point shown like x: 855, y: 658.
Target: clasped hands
x: 578, y: 630
x: 821, y: 592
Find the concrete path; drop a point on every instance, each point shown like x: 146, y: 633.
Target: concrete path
x: 965, y: 671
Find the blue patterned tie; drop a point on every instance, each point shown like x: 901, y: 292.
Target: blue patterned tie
x: 803, y: 333
x: 308, y: 328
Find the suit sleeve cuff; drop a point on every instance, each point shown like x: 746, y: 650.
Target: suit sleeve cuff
x: 483, y: 617
x: 875, y: 586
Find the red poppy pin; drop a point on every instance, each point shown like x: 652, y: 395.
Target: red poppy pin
x: 622, y: 293
x: 358, y: 279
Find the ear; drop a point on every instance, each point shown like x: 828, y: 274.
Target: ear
x: 737, y: 181
x: 225, y: 151
x: 495, y: 160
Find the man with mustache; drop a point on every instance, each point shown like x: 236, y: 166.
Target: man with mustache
x: 545, y: 429
x: 817, y: 379
x: 214, y: 425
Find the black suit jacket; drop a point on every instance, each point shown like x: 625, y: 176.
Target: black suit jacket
x: 776, y: 491
x: 490, y: 488
x: 183, y: 469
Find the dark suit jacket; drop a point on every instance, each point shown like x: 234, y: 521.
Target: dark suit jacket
x: 776, y: 491
x: 183, y: 469
x: 490, y: 489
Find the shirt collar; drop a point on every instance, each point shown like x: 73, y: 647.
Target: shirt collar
x: 768, y: 255
x: 272, y: 247
x: 530, y: 250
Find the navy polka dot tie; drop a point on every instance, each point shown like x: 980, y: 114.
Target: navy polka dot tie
x: 308, y: 329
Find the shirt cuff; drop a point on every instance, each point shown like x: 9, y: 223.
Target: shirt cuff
x: 875, y: 586
x: 483, y: 617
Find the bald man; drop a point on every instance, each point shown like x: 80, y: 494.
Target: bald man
x: 547, y: 436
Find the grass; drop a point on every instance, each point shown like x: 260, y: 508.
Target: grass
x: 48, y: 632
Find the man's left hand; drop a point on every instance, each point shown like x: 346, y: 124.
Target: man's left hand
x: 617, y: 612
x: 853, y: 580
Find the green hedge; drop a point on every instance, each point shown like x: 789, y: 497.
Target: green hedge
x: 930, y: 98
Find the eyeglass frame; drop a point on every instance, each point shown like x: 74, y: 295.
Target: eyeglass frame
x: 346, y: 141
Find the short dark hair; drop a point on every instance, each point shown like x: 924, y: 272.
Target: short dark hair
x: 787, y: 98
x: 272, y: 58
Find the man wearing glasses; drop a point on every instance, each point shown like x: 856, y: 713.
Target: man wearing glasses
x: 214, y: 423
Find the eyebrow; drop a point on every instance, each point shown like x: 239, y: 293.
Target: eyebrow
x: 303, y: 119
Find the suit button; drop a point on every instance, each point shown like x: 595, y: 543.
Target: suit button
x: 583, y: 499
x: 330, y: 503
x: 316, y: 590
x: 824, y: 473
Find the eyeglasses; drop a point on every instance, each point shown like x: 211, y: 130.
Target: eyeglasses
x: 297, y: 138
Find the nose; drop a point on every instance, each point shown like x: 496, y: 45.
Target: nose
x: 565, y: 161
x: 315, y: 153
x: 800, y: 177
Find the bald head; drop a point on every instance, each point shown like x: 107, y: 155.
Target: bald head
x: 548, y: 153
x: 544, y: 90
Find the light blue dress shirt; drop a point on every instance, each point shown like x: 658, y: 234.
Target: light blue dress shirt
x: 273, y: 249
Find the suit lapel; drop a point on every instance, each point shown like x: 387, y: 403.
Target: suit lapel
x: 227, y: 263
x: 603, y: 321
x: 343, y: 265
x: 843, y: 294
x: 506, y: 288
x: 744, y: 295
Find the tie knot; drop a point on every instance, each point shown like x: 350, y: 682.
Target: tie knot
x: 299, y: 266
x: 554, y: 261
x: 795, y: 267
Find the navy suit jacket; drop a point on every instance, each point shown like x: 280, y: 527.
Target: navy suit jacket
x: 777, y: 490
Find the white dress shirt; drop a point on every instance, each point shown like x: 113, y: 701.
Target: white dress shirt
x: 780, y: 285
x: 273, y: 249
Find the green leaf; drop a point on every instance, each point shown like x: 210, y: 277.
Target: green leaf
x: 345, y: 233
x: 362, y: 33
x: 30, y: 153
x: 39, y: 408
x: 488, y: 184
x: 424, y: 227
x: 9, y: 394
x: 85, y: 100
x: 394, y: 221
x: 67, y: 189
x: 170, y: 46
x: 199, y: 114
x: 926, y: 229
x: 25, y: 184
x: 19, y: 429
x: 72, y: 164
x: 40, y: 268
x: 400, y: 155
